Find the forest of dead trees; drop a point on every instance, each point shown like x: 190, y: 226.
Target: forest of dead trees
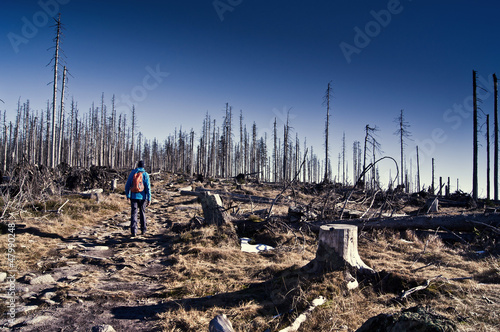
x: 63, y: 134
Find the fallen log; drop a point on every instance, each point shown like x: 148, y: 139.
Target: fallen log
x: 92, y: 193
x: 463, y: 222
x: 303, y: 317
x: 227, y: 195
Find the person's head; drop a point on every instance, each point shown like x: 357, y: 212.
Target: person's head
x: 140, y: 163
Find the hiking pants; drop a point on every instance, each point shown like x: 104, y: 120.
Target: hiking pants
x: 138, y: 204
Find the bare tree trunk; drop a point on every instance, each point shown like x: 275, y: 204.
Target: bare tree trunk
x: 134, y: 124
x: 61, y: 119
x: 101, y: 134
x: 343, y: 160
x: 285, y: 151
x: 275, y: 151
x: 488, y: 188
x: 402, y: 132
x: 5, y: 142
x: 54, y: 95
x: 432, y: 183
x: 495, y: 168
x: 327, y: 130
x: 475, y: 143
x: 418, y: 172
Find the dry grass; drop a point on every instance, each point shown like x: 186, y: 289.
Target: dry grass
x: 38, y: 233
x: 268, y: 291
x: 209, y: 275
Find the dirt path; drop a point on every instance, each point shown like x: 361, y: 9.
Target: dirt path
x: 99, y: 276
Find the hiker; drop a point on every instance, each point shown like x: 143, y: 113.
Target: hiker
x: 138, y: 191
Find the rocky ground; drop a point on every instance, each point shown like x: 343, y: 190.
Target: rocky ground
x: 99, y: 275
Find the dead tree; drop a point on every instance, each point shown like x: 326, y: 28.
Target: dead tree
x: 286, y: 130
x: 370, y: 133
x: 475, y: 142
x: 327, y: 129
x: 54, y: 95
x: 134, y: 125
x: 61, y: 118
x: 403, y: 133
x: 432, y: 181
x: 488, y: 157
x: 495, y: 167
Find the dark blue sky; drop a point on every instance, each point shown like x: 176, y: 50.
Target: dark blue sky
x: 265, y: 58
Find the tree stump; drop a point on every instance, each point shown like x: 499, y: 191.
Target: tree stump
x: 220, y: 324
x: 213, y: 210
x: 337, y: 250
x: 114, y: 184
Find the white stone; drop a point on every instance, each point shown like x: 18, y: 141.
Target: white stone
x: 246, y: 247
x: 103, y: 328
x: 38, y: 320
x: 42, y: 280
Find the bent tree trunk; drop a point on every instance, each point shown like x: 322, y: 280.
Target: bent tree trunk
x: 337, y: 250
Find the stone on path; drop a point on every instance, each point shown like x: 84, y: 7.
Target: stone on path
x: 103, y: 328
x: 220, y: 324
x: 38, y: 320
x: 42, y: 280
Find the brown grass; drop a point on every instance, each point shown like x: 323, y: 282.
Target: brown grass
x: 38, y: 233
x: 209, y: 274
x: 268, y: 291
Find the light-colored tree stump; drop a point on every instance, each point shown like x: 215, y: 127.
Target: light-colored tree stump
x: 213, y: 210
x: 338, y: 249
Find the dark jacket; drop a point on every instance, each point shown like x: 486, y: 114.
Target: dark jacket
x: 143, y: 195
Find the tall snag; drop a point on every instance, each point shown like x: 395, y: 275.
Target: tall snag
x: 54, y: 95
x: 495, y: 167
x: 327, y: 129
x: 474, y: 151
x: 403, y: 133
x: 488, y: 188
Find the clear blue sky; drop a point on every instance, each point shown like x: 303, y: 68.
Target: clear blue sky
x: 265, y: 57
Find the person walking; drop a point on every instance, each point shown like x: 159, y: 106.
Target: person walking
x: 138, y: 191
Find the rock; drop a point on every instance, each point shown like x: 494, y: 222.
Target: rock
x: 42, y: 280
x: 103, y: 328
x: 247, y: 247
x: 189, y: 188
x: 27, y: 308
x: 3, y: 276
x: 220, y: 324
x: 17, y: 321
x: 415, y: 319
x: 48, y: 296
x: 38, y: 320
x: 300, y: 213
